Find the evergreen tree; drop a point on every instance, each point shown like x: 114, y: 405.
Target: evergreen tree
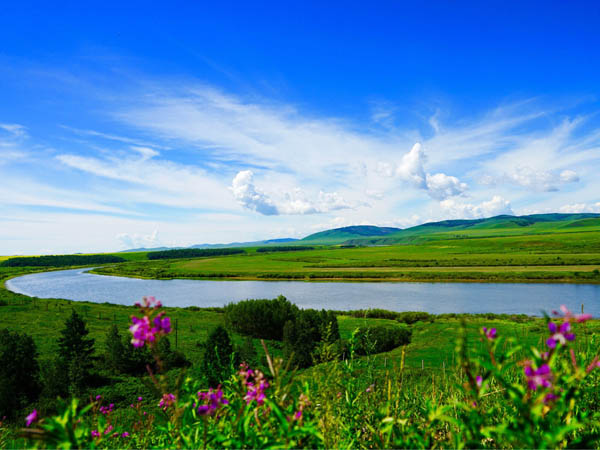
x: 19, y: 371
x: 75, y: 351
x: 218, y: 351
x: 115, y: 351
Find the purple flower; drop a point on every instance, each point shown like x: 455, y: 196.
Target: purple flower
x: 166, y: 401
x: 140, y: 399
x: 213, y: 400
x: 560, y: 333
x: 108, y: 430
x: 298, y: 415
x: 479, y: 380
x: 550, y: 397
x: 125, y: 434
x: 540, y: 377
x: 95, y: 433
x: 582, y: 317
x: 490, y: 334
x: 31, y: 418
x: 98, y: 397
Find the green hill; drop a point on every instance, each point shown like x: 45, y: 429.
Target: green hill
x: 503, y: 225
x: 340, y: 235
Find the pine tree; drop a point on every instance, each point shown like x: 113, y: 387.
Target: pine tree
x: 218, y: 351
x: 75, y: 351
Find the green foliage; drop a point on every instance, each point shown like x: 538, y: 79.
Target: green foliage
x: 194, y: 253
x: 219, y: 358
x: 122, y: 357
x: 19, y: 372
x: 260, y: 318
x: 283, y: 248
x: 60, y: 260
x: 378, y: 339
x: 75, y: 351
x: 303, y: 334
x: 410, y: 317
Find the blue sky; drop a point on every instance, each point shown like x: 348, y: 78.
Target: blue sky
x: 137, y: 125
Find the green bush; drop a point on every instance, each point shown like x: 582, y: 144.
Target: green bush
x: 219, y: 358
x: 410, y: 317
x: 19, y: 371
x: 378, y: 339
x: 260, y: 318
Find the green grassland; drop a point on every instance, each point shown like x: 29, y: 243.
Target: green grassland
x: 558, y: 254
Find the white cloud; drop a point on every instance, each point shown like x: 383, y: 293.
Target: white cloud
x: 441, y: 186
x: 581, y: 208
x: 13, y: 129
x: 295, y: 202
x: 411, y: 167
x: 249, y: 197
x: 459, y: 210
x: 536, y: 180
x: 135, y: 240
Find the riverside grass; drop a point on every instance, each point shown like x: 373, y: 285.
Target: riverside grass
x: 572, y: 256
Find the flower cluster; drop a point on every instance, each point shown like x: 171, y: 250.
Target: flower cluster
x: 541, y: 377
x: 212, y: 400
x: 107, y: 409
x: 149, y: 303
x: 147, y: 329
x: 255, y: 388
x: 561, y: 333
x: 166, y: 401
x: 490, y: 333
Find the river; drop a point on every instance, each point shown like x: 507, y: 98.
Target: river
x: 436, y: 298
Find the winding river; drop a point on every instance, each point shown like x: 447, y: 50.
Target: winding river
x: 510, y: 298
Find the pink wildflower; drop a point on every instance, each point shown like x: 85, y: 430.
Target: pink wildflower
x: 560, y: 333
x: 490, y: 334
x: 95, y: 433
x: 539, y: 377
x: 213, y: 400
x: 31, y: 418
x: 479, y: 380
x: 166, y: 401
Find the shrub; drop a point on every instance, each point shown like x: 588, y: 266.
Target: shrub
x: 380, y: 338
x: 19, y: 371
x: 75, y: 351
x: 260, y: 318
x: 218, y: 354
x: 410, y: 317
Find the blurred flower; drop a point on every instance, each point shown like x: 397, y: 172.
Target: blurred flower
x: 166, y: 401
x: 213, y: 400
x: 539, y: 377
x: 560, y: 333
x: 490, y: 334
x: 32, y: 417
x: 95, y: 433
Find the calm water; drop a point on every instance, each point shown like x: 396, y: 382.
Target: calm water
x: 431, y: 297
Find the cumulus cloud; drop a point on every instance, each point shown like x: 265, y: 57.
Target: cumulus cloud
x: 249, y: 196
x: 411, y: 170
x: 581, y: 208
x: 135, y: 240
x: 441, y: 186
x: 536, y: 180
x: 460, y: 210
x: 411, y: 167
x: 294, y: 202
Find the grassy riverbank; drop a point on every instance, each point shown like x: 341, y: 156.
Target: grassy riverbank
x: 572, y: 257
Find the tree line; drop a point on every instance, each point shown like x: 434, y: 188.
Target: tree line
x: 60, y: 260
x: 193, y: 253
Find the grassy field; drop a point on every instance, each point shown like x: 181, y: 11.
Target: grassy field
x: 572, y: 256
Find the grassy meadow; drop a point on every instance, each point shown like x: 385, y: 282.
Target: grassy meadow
x: 475, y: 255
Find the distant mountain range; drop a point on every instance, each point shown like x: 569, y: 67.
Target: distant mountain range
x: 372, y: 235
